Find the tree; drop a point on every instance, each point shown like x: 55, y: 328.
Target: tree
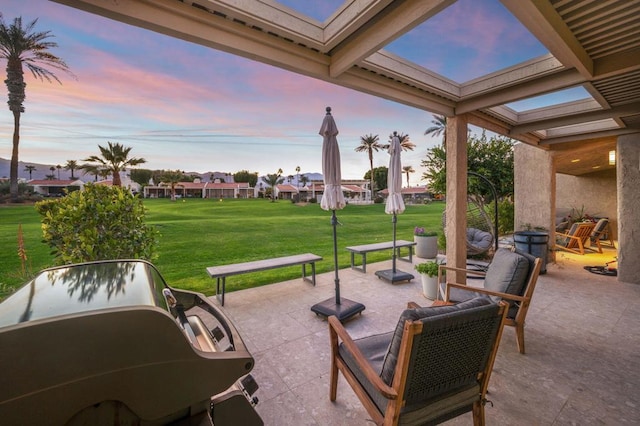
x: 58, y: 167
x: 407, y: 170
x: 405, y: 142
x: 369, y: 144
x: 22, y: 46
x: 246, y: 176
x: 141, y: 176
x: 114, y: 159
x: 491, y: 158
x: 439, y: 127
x: 71, y: 165
x: 173, y: 179
x: 304, y: 179
x: 298, y: 177
x: 273, y: 181
x: 92, y: 224
x: 379, y: 176
x: 30, y: 169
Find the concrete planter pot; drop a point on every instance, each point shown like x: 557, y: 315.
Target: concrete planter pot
x: 429, y: 286
x: 426, y: 246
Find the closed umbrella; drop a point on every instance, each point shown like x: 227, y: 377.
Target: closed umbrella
x: 394, y: 206
x: 333, y: 199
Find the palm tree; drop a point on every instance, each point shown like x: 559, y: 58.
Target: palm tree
x: 407, y: 170
x: 58, y: 167
x: 298, y: 177
x: 114, y: 159
x: 30, y: 169
x: 173, y: 179
x: 405, y: 142
x: 273, y: 181
x: 71, y: 165
x: 368, y: 144
x: 53, y: 169
x: 22, y: 46
x: 439, y: 127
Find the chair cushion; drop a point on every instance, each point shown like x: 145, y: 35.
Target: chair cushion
x: 479, y: 239
x: 391, y: 357
x: 507, y: 273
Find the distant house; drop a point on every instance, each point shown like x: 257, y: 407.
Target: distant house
x: 415, y: 194
x: 199, y: 189
x: 286, y: 191
x: 55, y: 188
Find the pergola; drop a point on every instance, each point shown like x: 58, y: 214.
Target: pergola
x: 592, y: 44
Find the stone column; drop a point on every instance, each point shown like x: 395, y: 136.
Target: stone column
x: 534, y: 190
x: 628, y: 172
x: 456, y: 210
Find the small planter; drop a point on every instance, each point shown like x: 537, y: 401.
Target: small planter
x: 426, y: 246
x: 429, y: 275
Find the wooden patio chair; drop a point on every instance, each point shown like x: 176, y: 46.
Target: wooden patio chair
x: 575, y: 239
x: 435, y: 366
x: 601, y: 232
x: 511, y: 276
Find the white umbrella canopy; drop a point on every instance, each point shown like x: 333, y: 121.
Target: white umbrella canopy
x: 395, y: 203
x: 333, y: 198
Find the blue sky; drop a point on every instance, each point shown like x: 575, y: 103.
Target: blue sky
x: 183, y: 106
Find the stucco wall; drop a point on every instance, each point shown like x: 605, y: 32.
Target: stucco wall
x: 628, y: 168
x: 596, y: 192
x: 533, y: 188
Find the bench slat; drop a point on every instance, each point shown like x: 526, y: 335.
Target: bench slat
x: 261, y: 265
x: 365, y: 248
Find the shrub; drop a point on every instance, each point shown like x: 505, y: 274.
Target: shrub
x: 98, y: 223
x: 430, y: 268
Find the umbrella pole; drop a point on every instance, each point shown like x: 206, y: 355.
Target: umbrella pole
x: 334, y: 223
x: 394, y: 220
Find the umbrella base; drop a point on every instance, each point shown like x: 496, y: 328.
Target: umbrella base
x: 394, y: 276
x: 345, y: 310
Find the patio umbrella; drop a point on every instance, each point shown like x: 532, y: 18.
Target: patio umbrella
x: 333, y: 199
x: 394, y: 206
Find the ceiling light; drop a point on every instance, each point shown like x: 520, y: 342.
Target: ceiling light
x: 612, y: 158
x: 596, y: 167
x: 575, y: 161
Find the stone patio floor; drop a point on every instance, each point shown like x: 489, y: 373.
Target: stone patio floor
x: 581, y: 367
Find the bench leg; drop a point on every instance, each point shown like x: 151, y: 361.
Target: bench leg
x: 313, y: 273
x: 364, y: 262
x: 406, y: 259
x: 220, y: 294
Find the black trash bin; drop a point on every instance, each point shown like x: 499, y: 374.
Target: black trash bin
x: 535, y: 243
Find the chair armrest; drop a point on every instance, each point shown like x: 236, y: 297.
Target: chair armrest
x: 413, y: 305
x: 468, y: 271
x: 336, y: 329
x: 463, y: 287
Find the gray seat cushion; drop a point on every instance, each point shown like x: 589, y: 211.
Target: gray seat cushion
x: 507, y: 273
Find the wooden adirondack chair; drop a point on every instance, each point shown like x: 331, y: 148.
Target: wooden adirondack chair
x: 575, y: 239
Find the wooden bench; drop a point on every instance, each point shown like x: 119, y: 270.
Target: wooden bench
x: 220, y: 273
x: 367, y: 248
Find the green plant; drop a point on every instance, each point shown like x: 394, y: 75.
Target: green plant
x: 430, y: 268
x: 98, y: 223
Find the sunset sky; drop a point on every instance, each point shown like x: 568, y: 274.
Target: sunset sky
x: 183, y: 106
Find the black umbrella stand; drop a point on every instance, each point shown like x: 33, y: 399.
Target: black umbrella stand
x: 394, y: 275
x: 342, y: 308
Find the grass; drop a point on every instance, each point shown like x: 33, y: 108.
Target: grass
x: 198, y: 233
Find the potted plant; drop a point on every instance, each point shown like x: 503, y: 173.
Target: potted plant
x: 429, y: 274
x: 426, y: 243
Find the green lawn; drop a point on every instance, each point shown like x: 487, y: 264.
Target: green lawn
x: 199, y: 233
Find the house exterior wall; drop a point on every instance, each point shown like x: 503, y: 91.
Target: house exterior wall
x: 596, y: 192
